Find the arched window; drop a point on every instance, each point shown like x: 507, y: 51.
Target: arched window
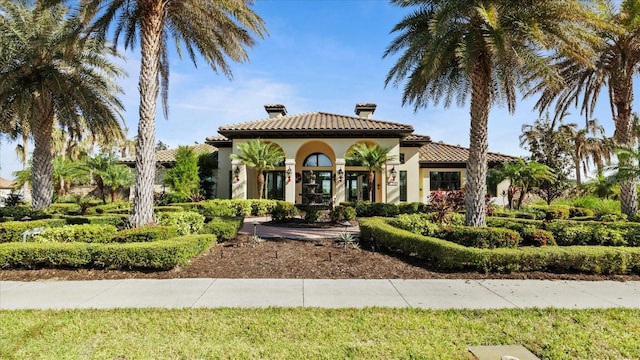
x: 317, y: 160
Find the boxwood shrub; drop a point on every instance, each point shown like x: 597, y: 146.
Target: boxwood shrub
x: 445, y: 255
x: 110, y: 219
x: 167, y: 208
x: 224, y: 228
x: 12, y: 231
x: 187, y: 222
x: 145, y: 234
x: 480, y: 237
x: 77, y: 233
x: 163, y: 255
x: 416, y: 223
x: 342, y: 213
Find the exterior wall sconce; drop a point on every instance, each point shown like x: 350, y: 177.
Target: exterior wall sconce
x: 289, y: 174
x: 236, y: 172
x: 340, y: 176
x: 393, y: 173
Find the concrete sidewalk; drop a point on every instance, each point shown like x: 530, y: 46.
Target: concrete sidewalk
x: 247, y: 293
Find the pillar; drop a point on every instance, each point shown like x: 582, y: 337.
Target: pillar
x: 239, y: 180
x: 290, y: 182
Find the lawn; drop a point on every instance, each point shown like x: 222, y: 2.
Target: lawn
x: 315, y: 333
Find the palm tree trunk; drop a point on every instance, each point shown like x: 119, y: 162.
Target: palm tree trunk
x: 151, y: 32
x: 578, y: 172
x: 622, y: 98
x: 42, y: 174
x: 260, y: 184
x: 476, y: 186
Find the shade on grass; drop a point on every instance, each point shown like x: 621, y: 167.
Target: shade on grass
x: 315, y: 333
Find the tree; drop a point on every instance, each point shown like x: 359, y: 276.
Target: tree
x: 64, y: 172
x: 115, y: 177
x: 488, y: 50
x: 602, y: 186
x: 53, y: 70
x: 98, y: 166
x: 524, y: 176
x: 616, y: 62
x: 261, y: 156
x: 183, y: 177
x: 217, y: 30
x: 371, y: 157
x: 587, y: 143
x: 551, y: 147
x: 161, y: 146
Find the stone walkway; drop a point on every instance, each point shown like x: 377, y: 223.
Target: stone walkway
x: 252, y: 224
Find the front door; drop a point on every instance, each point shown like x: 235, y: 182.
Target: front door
x: 357, y: 187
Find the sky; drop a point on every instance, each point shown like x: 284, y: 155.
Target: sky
x: 319, y: 55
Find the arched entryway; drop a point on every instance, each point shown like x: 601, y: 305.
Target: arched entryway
x: 315, y: 171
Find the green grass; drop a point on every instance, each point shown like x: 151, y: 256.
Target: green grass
x: 315, y: 333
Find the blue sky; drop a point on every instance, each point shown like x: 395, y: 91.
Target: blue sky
x: 320, y: 55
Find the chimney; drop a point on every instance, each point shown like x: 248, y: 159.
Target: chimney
x: 365, y: 110
x: 275, y: 110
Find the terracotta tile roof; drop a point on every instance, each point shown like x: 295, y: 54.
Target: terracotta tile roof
x: 6, y: 183
x: 169, y: 155
x: 414, y: 140
x: 437, y: 152
x: 218, y: 141
x: 315, y: 123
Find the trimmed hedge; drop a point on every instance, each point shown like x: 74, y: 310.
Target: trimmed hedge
x: 446, y: 255
x: 77, y: 233
x: 145, y: 234
x: 187, y: 222
x: 167, y: 208
x: 342, y: 213
x: 224, y: 228
x: 12, y: 231
x: 163, y: 255
x: 110, y: 219
x: 480, y: 237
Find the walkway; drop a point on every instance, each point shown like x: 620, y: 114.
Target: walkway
x: 252, y: 224
x: 247, y: 293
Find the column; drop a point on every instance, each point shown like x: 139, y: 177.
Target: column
x: 239, y: 180
x: 392, y: 177
x: 340, y: 177
x: 290, y: 180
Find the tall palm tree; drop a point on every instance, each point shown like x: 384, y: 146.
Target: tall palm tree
x: 617, y: 61
x: 217, y: 30
x: 261, y: 156
x: 98, y: 166
x: 371, y: 157
x: 587, y: 143
x: 488, y: 50
x: 52, y: 70
x: 64, y: 172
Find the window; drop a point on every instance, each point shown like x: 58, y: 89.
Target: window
x: 275, y: 182
x: 403, y: 185
x: 444, y: 180
x: 317, y: 160
x: 401, y: 158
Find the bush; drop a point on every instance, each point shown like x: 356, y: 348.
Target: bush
x: 145, y: 234
x: 613, y: 217
x: 342, y: 213
x: 118, y: 206
x: 411, y: 208
x: 448, y: 256
x: 442, y: 203
x: 416, y: 223
x: 262, y: 207
x: 284, y: 210
x: 224, y: 228
x: 64, y: 208
x: 167, y: 208
x: 77, y: 233
x: 12, y: 231
x: 163, y: 255
x: 187, y: 222
x: 19, y: 212
x: 480, y: 237
x: 532, y: 236
x: 578, y: 212
x: 112, y: 219
x: 311, y: 215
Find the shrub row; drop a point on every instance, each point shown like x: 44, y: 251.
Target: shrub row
x: 145, y: 234
x: 12, y: 231
x: 568, y: 233
x: 445, y: 255
x: 231, y: 208
x: 77, y: 233
x: 187, y: 222
x: 165, y: 254
x: 480, y: 237
x: 110, y: 219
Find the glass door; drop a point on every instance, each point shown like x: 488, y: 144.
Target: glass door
x: 357, y: 187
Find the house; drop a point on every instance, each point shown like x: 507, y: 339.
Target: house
x: 6, y: 187
x: 316, y: 167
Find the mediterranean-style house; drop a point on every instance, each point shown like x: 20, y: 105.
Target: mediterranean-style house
x: 316, y: 168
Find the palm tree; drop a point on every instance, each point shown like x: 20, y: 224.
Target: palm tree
x: 64, y: 172
x: 52, y: 70
x: 217, y: 30
x: 115, y: 177
x: 617, y: 60
x: 587, y: 143
x: 98, y: 166
x: 261, y: 156
x: 524, y: 176
x: 485, y: 49
x: 371, y: 157
x: 602, y: 186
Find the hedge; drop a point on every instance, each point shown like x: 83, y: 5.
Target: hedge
x: 224, y: 228
x: 480, y: 237
x: 445, y: 255
x: 110, y: 219
x: 77, y: 233
x: 12, y: 231
x: 145, y: 234
x: 163, y: 255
